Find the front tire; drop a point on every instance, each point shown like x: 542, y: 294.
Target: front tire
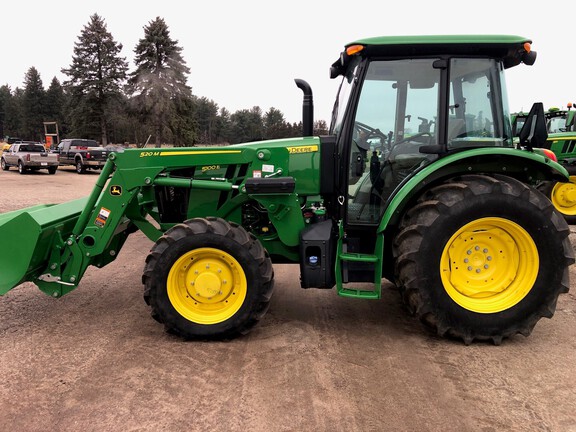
x: 482, y: 258
x: 208, y: 279
x: 4, y: 165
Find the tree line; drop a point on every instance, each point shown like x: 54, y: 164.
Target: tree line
x: 101, y: 99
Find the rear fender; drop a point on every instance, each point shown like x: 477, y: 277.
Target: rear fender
x: 528, y: 167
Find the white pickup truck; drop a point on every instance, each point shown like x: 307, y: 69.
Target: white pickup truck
x: 29, y: 156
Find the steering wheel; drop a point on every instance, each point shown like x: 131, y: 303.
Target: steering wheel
x: 369, y: 132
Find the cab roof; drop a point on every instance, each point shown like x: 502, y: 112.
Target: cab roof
x: 511, y: 49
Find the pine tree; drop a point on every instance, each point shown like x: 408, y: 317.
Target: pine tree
x: 33, y: 105
x: 222, y: 127
x: 5, y: 101
x: 246, y: 125
x: 158, y: 86
x: 55, y: 101
x: 206, y: 116
x: 275, y: 125
x: 96, y: 76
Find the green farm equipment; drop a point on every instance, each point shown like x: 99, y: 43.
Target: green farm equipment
x: 561, y: 141
x: 418, y: 182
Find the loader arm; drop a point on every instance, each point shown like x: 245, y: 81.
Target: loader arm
x: 152, y: 190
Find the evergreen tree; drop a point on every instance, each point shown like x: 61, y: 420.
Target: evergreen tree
x: 274, y: 125
x: 246, y: 126
x: 222, y: 127
x: 12, y: 108
x: 182, y: 123
x: 320, y: 127
x: 206, y: 117
x: 96, y: 76
x: 158, y: 86
x: 5, y: 100
x: 33, y: 106
x: 55, y: 101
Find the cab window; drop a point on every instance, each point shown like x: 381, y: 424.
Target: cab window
x: 396, y: 115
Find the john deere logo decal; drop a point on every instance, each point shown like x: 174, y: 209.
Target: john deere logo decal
x: 116, y: 190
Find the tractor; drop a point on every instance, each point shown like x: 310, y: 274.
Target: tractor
x: 419, y: 181
x: 561, y: 128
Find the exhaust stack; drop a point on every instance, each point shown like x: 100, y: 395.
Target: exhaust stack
x: 307, y: 108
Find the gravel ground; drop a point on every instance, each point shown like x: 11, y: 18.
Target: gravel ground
x: 95, y: 360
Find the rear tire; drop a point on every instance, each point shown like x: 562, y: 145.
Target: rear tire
x: 482, y: 258
x: 80, y: 167
x: 208, y: 279
x: 21, y: 168
x: 52, y: 170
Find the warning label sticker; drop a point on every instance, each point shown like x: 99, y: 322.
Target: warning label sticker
x: 102, y: 217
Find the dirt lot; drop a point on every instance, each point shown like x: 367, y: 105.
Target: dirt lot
x: 95, y: 360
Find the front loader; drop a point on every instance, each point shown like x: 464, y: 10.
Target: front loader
x: 418, y: 182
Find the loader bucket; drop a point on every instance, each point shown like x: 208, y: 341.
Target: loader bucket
x: 27, y: 237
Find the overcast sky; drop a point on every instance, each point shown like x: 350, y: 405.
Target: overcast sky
x: 247, y: 53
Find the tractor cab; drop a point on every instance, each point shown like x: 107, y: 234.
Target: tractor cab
x: 559, y: 120
x: 395, y: 116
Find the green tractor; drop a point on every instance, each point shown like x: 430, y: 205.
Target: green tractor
x: 561, y: 141
x: 418, y: 181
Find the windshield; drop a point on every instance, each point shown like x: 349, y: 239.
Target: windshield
x: 343, y: 97
x: 557, y: 124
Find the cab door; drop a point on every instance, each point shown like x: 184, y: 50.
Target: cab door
x: 396, y: 115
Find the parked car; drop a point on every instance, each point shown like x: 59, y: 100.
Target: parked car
x: 29, y: 156
x: 9, y: 142
x: 82, y: 153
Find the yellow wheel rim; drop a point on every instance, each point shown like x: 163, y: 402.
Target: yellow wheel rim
x: 564, y: 197
x: 489, y: 265
x: 206, y: 286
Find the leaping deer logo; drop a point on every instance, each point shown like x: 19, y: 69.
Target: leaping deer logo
x: 116, y: 190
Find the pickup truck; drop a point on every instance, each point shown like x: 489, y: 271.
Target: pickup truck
x: 29, y: 156
x: 82, y: 153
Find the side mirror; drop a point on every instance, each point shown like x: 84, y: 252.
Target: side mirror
x: 534, y: 132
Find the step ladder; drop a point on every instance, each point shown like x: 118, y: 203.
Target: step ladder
x: 343, y: 257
